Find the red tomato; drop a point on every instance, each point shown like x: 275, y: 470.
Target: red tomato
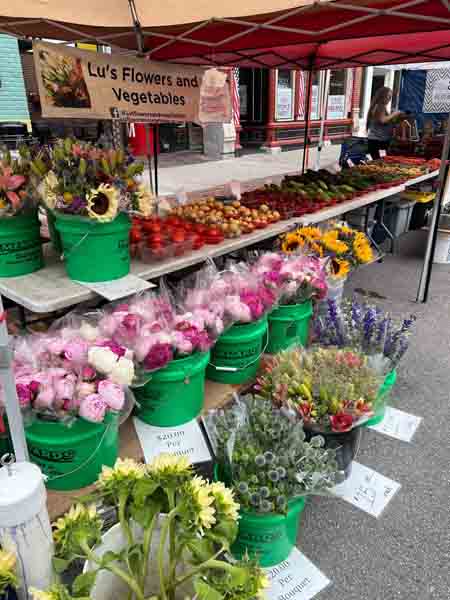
x: 135, y: 236
x: 178, y: 236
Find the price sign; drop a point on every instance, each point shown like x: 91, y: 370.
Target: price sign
x: 350, y: 163
x: 366, y: 489
x: 398, y: 424
x: 296, y: 578
x: 184, y: 440
x: 382, y: 153
x: 369, y: 157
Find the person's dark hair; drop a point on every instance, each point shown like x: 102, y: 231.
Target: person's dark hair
x: 382, y: 97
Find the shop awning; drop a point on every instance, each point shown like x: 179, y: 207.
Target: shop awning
x: 264, y: 33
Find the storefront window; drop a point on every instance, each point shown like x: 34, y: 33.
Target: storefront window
x: 285, y: 95
x: 336, y: 95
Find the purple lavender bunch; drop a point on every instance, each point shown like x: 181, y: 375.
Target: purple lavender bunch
x: 369, y: 323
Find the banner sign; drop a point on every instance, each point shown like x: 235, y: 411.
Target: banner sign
x: 437, y: 91
x: 80, y: 84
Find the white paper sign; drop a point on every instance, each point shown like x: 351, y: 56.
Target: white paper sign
x: 284, y: 103
x: 336, y: 107
x: 369, y: 157
x: 119, y: 288
x: 350, y: 163
x: 366, y: 489
x: 296, y: 578
x: 184, y: 440
x: 382, y: 153
x: 398, y: 424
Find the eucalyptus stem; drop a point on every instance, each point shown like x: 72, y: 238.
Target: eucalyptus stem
x: 117, y: 571
x: 211, y: 563
x: 161, y: 549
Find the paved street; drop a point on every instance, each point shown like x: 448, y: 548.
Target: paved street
x: 190, y: 172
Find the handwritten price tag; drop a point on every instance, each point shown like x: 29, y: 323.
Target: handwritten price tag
x: 369, y: 157
x: 382, y: 153
x: 350, y: 163
x: 398, y: 424
x: 366, y: 489
x: 184, y: 440
x: 296, y: 578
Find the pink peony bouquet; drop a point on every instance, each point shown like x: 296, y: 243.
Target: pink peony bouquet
x: 155, y: 333
x: 297, y: 278
x: 61, y: 376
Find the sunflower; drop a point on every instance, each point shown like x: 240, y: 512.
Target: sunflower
x: 103, y: 203
x: 291, y: 243
x: 309, y: 234
x: 316, y: 248
x: 339, y: 267
x: 362, y: 249
x: 333, y: 244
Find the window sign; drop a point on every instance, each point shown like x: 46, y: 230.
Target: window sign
x: 285, y: 95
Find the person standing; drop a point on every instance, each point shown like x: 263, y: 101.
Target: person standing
x: 380, y: 123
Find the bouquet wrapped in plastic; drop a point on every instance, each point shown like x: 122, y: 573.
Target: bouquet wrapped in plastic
x: 264, y: 458
x: 329, y: 389
x: 297, y: 277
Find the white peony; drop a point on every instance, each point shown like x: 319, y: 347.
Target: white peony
x: 102, y: 359
x: 123, y: 372
x: 88, y: 332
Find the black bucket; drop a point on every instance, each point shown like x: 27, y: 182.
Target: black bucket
x: 345, y: 443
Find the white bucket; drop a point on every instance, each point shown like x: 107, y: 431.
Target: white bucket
x: 109, y: 587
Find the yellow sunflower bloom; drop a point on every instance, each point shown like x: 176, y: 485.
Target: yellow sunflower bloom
x: 362, y: 251
x: 339, y: 267
x: 103, y: 203
x: 333, y: 244
x: 291, y: 242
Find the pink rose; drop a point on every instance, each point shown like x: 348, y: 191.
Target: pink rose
x: 112, y: 394
x: 88, y: 373
x: 45, y: 398
x: 93, y: 408
x: 76, y: 351
x: 108, y: 325
x: 238, y: 310
x: 158, y: 356
x: 24, y: 394
x: 142, y: 346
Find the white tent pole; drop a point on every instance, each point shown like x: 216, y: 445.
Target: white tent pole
x: 442, y: 193
x: 323, y: 115
x: 9, y: 393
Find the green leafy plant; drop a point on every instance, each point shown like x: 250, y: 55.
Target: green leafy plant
x: 172, y: 521
x: 8, y: 577
x: 264, y: 456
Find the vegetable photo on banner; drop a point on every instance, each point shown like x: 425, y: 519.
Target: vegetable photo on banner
x: 169, y: 543
x: 262, y: 454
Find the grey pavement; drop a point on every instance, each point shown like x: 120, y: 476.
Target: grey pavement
x: 190, y: 172
x: 403, y: 555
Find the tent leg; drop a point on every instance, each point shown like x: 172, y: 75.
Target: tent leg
x: 323, y: 113
x: 307, y: 119
x: 8, y: 384
x: 443, y: 193
x: 155, y: 155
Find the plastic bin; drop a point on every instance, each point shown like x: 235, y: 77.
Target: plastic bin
x: 357, y: 218
x: 397, y: 216
x: 442, y: 251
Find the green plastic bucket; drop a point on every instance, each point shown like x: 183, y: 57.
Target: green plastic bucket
x: 20, y: 245
x: 95, y: 251
x: 236, y: 356
x: 268, y: 537
x: 383, y: 396
x: 175, y: 394
x: 5, y: 446
x: 289, y: 325
x: 72, y: 457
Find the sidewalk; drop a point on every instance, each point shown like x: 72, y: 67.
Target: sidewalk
x: 191, y: 172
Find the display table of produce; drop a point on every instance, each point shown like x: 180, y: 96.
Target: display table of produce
x: 216, y: 395
x: 49, y: 289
